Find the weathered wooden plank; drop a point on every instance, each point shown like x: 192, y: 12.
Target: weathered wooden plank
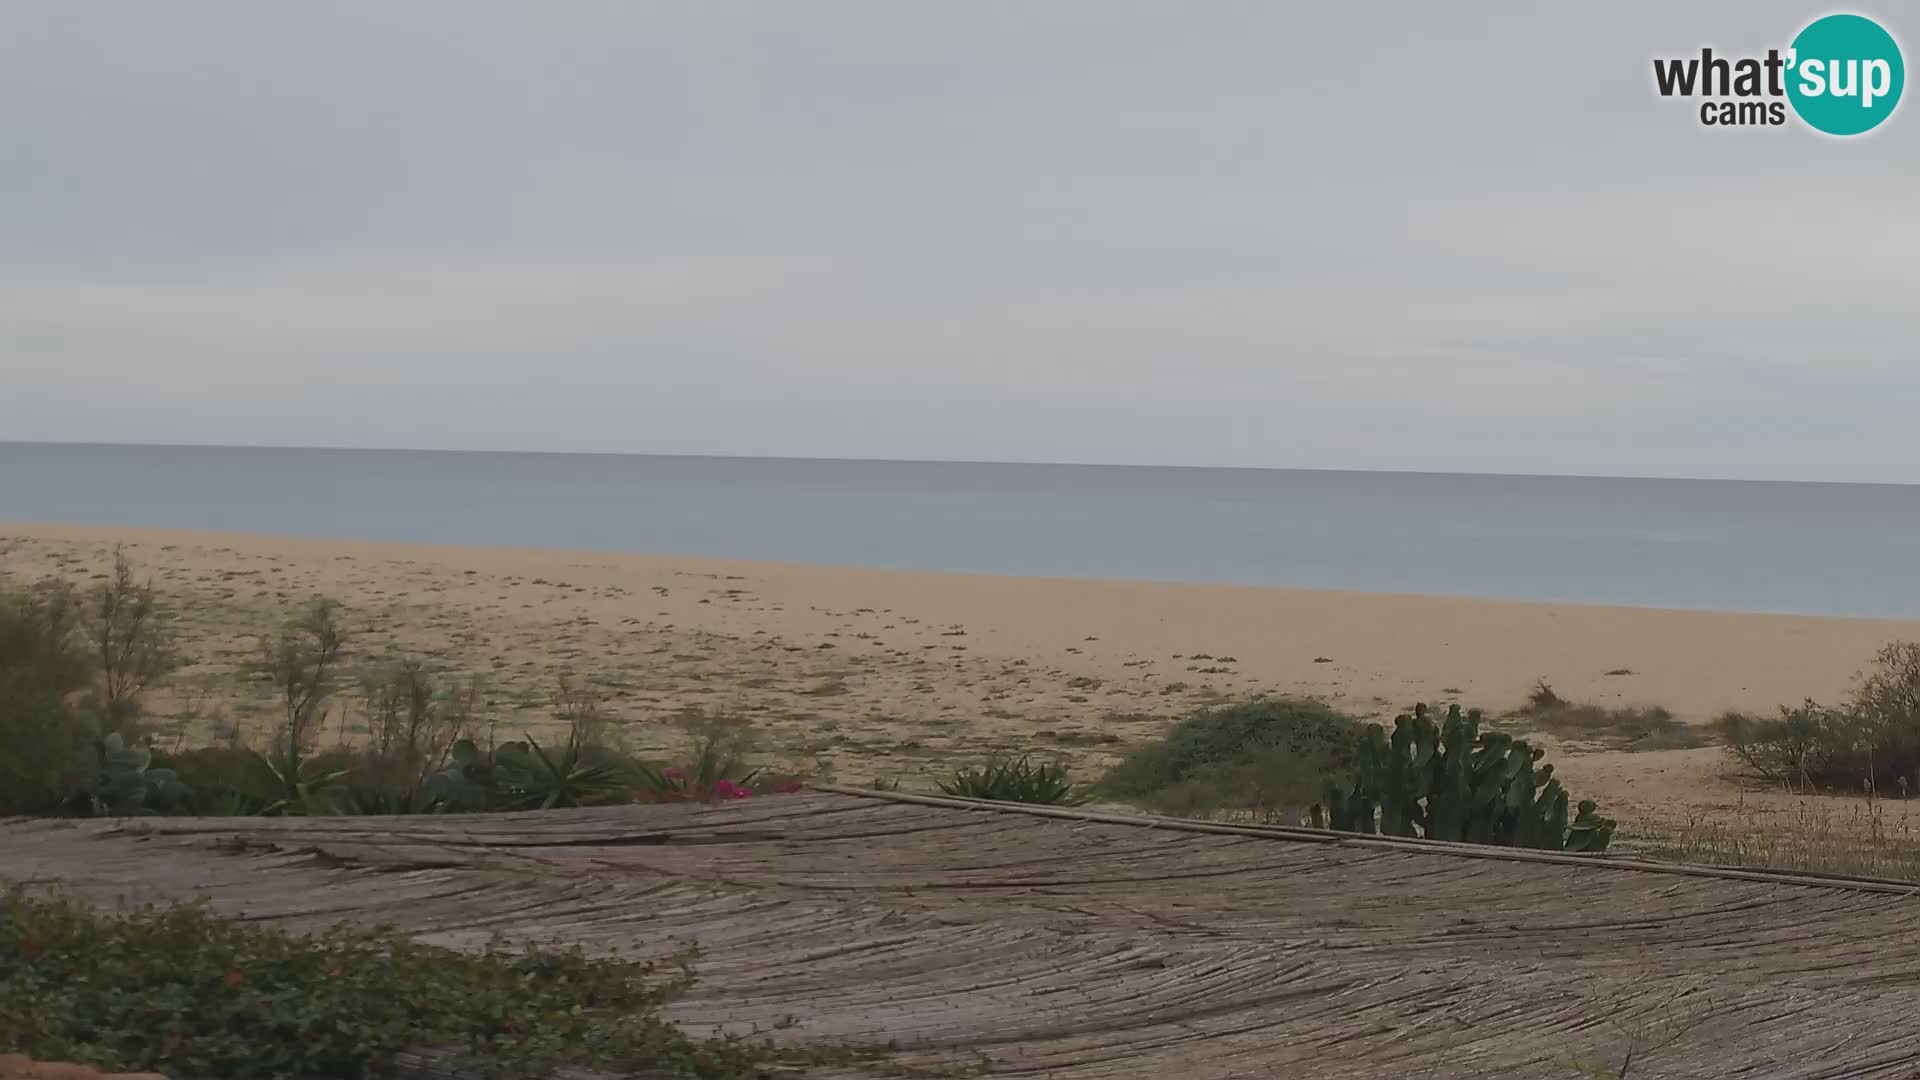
x: 1083, y: 945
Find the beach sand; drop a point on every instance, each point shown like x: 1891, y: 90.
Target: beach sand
x: 868, y: 674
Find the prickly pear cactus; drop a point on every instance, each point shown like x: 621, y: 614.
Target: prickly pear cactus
x: 125, y: 784
x: 1452, y: 781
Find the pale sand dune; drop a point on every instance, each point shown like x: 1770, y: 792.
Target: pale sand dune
x: 879, y: 673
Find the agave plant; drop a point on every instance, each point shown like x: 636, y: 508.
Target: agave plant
x: 302, y: 791
x: 1015, y: 780
x: 528, y: 777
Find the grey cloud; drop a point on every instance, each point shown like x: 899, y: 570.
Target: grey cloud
x: 1418, y: 236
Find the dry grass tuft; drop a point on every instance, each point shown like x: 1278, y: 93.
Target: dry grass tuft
x: 1823, y: 835
x: 1620, y: 728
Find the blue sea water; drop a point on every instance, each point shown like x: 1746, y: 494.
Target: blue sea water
x: 1843, y: 549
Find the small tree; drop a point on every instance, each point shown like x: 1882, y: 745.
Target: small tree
x: 46, y: 754
x: 415, y: 722
x: 39, y: 636
x: 301, y: 662
x: 132, y: 642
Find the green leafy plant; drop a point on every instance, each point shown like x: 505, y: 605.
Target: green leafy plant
x: 1452, y: 781
x: 179, y: 991
x: 1015, y: 780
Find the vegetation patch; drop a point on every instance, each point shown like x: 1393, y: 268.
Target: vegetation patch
x: 1267, y: 756
x: 73, y: 737
x: 182, y: 992
x: 1618, y: 728
x: 1853, y: 837
x: 1007, y: 779
x: 1452, y: 781
x: 1869, y: 744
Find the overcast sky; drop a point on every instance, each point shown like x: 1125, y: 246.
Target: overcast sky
x: 1327, y: 235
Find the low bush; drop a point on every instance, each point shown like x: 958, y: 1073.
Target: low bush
x: 221, y: 781
x: 1264, y: 756
x: 1870, y: 743
x: 72, y: 667
x: 45, y: 759
x: 1805, y: 747
x: 1015, y: 780
x: 181, y: 992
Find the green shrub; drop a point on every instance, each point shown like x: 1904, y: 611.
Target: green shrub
x: 1262, y: 755
x: 1015, y: 780
x: 47, y: 757
x: 181, y: 992
x: 71, y: 671
x: 221, y: 780
x: 1806, y: 747
x: 1871, y: 743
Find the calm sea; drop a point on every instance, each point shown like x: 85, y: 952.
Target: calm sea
x: 1848, y: 549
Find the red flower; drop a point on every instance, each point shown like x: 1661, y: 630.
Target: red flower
x: 236, y: 977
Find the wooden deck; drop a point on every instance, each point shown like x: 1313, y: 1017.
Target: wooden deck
x: 1081, y: 946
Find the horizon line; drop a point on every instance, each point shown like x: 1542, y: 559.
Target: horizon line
x: 833, y: 459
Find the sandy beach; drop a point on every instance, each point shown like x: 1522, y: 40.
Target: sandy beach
x: 861, y: 674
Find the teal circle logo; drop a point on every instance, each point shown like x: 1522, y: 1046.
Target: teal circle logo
x: 1845, y: 74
